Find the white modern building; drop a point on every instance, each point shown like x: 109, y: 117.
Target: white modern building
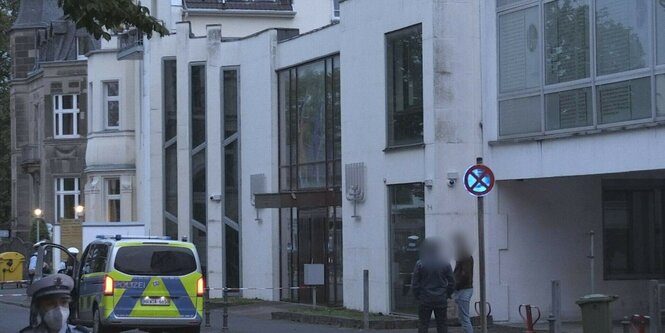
x: 275, y: 134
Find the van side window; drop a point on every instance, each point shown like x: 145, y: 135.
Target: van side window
x: 99, y: 258
x: 86, y: 263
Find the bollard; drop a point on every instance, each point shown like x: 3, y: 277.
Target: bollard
x: 366, y: 299
x: 625, y: 324
x: 528, y: 316
x: 225, y: 313
x: 556, y: 307
x: 314, y: 296
x: 206, y: 306
x: 640, y: 323
x: 551, y: 320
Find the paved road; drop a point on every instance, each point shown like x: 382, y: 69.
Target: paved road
x: 12, y: 318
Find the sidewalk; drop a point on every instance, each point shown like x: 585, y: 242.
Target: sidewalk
x: 8, y: 295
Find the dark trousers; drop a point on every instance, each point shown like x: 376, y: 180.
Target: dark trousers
x: 425, y: 314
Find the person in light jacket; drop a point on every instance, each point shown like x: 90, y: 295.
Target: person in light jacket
x: 433, y: 283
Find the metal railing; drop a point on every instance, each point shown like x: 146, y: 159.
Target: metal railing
x: 130, y: 44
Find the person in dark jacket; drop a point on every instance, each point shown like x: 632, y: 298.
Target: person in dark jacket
x: 432, y: 283
x: 464, y: 282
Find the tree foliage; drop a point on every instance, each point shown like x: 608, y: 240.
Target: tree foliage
x: 8, y: 12
x: 101, y: 16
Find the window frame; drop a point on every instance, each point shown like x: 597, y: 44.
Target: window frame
x: 59, y: 113
x: 108, y: 197
x: 389, y: 100
x: 593, y: 82
x: 106, y: 99
x: 60, y: 193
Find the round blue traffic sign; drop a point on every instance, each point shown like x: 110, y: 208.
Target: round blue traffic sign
x: 479, y: 180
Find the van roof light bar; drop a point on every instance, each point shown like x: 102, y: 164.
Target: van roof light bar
x: 121, y: 237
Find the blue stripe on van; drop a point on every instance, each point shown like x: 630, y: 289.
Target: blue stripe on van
x: 128, y: 300
x: 180, y: 297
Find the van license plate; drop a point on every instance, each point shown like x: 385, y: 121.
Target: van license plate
x: 155, y: 301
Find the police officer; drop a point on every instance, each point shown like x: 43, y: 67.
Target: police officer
x: 49, y: 309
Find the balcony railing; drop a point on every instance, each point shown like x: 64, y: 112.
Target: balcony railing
x: 285, y: 5
x: 130, y: 44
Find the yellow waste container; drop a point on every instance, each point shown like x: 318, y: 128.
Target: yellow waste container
x: 11, y: 266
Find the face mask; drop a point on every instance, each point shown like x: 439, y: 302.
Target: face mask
x: 56, y: 319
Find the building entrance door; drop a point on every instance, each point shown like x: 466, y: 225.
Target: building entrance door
x: 312, y: 236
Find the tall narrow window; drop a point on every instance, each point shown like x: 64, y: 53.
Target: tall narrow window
x: 566, y: 40
x: 404, y: 63
x: 519, y: 50
x: 231, y: 177
x: 112, y: 199
x: 170, y: 97
x: 198, y: 158
x: 65, y: 116
x: 112, y: 104
x: 336, y: 9
x: 660, y: 31
x: 407, y: 231
x: 67, y: 196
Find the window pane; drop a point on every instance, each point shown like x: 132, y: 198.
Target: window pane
x: 171, y: 179
x: 69, y: 204
x: 199, y: 198
x: 622, y: 32
x: 337, y: 110
x: 231, y: 181
x: 520, y: 116
x: 623, y: 101
x: 569, y: 109
x: 660, y: 30
x: 170, y: 99
x: 407, y: 231
x: 566, y: 40
x: 113, y: 186
x: 405, y: 86
x: 200, y: 242
x: 111, y: 88
x: 285, y: 117
x: 69, y: 184
x: 660, y: 95
x: 232, y: 258
x: 113, y: 210
x: 171, y: 228
x: 519, y: 50
x: 312, y: 176
x: 113, y: 114
x: 198, y: 107
x: 67, y: 102
x: 311, y: 113
x: 67, y: 124
x: 230, y: 102
x: 501, y: 3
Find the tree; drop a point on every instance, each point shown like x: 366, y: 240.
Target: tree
x: 43, y: 230
x: 8, y: 11
x: 101, y: 16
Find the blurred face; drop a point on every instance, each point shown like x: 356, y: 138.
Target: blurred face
x: 54, y: 311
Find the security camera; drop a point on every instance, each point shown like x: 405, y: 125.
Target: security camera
x: 216, y: 197
x: 451, y: 182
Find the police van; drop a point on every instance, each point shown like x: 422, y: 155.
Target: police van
x: 149, y: 283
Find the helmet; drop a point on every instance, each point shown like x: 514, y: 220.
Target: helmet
x: 73, y: 250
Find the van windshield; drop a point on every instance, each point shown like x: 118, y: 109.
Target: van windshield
x: 155, y: 260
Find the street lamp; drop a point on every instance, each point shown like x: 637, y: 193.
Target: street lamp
x: 79, y: 210
x: 38, y: 214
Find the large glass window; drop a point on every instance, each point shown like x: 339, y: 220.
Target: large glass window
x: 519, y: 50
x: 407, y: 231
x: 170, y: 100
x: 65, y: 116
x: 310, y: 140
x: 622, y: 35
x: 112, y: 104
x: 67, y: 197
x: 404, y: 80
x: 566, y: 40
x: 593, y: 68
x: 633, y: 230
x: 660, y: 95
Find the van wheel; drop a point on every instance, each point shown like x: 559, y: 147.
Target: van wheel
x: 97, y: 326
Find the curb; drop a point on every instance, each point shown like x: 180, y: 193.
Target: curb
x: 345, y: 322
x: 23, y: 305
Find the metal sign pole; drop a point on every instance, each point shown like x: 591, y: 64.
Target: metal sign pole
x: 481, y: 263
